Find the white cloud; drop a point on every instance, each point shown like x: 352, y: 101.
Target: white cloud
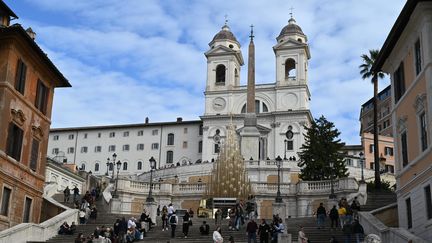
x: 124, y: 58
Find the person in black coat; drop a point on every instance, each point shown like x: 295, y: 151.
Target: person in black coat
x: 263, y: 231
x: 186, y: 219
x: 334, y: 216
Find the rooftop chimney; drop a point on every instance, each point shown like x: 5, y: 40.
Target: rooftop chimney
x: 179, y: 119
x: 31, y: 33
x: 146, y: 120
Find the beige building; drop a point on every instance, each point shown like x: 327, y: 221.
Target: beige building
x: 386, y: 152
x: 407, y: 56
x: 384, y: 116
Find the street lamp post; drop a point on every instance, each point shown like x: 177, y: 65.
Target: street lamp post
x: 332, y: 194
x: 107, y: 164
x: 152, y: 165
x: 361, y: 165
x: 278, y: 198
x: 285, y: 148
x: 118, y: 169
x: 113, y: 163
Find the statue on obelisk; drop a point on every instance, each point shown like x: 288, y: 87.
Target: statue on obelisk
x: 250, y: 134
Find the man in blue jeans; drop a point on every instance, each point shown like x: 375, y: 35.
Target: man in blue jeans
x: 321, y: 215
x: 251, y: 230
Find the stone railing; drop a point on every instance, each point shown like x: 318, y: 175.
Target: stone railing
x: 271, y: 188
x: 39, y: 232
x: 372, y: 225
x: 313, y: 187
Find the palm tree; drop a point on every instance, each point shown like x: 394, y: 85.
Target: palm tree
x: 367, y: 72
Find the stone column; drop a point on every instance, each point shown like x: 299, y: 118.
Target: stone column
x: 151, y: 208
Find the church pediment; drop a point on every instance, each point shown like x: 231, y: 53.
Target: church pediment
x: 261, y: 129
x: 223, y: 50
x: 289, y: 44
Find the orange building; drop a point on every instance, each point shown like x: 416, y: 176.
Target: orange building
x: 407, y: 56
x: 27, y: 82
x: 386, y: 152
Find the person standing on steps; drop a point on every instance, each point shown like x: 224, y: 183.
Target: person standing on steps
x: 186, y: 222
x: 76, y: 193
x: 66, y: 194
x: 357, y: 230
x: 251, y: 230
x: 321, y: 215
x: 342, y: 213
x: 204, y: 228
x: 173, y: 221
x: 218, y: 217
x: 302, y: 236
x: 334, y: 216
x: 263, y: 231
x: 217, y: 236
x: 164, y: 218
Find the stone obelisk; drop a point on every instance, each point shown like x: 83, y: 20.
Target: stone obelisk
x: 250, y: 134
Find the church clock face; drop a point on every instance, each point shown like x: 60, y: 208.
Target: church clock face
x: 219, y: 103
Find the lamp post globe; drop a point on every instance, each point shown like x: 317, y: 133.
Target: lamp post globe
x: 278, y: 198
x: 152, y: 165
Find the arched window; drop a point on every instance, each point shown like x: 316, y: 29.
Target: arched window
x: 139, y: 166
x: 290, y: 69
x: 236, y: 76
x: 220, y: 74
x: 260, y: 107
x: 82, y: 166
x: 170, y: 140
x: 96, y: 167
x: 169, y: 157
x: 124, y: 165
x: 264, y: 107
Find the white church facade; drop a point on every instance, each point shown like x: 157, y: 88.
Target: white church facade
x: 282, y: 110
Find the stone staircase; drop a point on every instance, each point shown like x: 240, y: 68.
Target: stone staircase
x: 377, y: 200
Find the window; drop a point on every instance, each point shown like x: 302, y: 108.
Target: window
x: 399, y: 82
x: 111, y: 148
x: 155, y: 132
x: 41, y: 97
x: 349, y: 162
x: 428, y: 197
x: 112, y: 134
x: 126, y: 147
x: 14, y: 141
x: 4, y: 210
x: 55, y: 151
x: 185, y: 130
x: 260, y: 107
x: 140, y: 133
x: 99, y: 135
x: 27, y: 210
x: 20, y: 78
x: 56, y: 137
x: 371, y: 148
x: 200, y: 147
x: 408, y: 211
x: 96, y: 167
x: 34, y: 156
x: 84, y: 149
x: 290, y: 145
x: 155, y: 146
x: 290, y: 71
x: 140, y: 146
x: 220, y: 74
x: 185, y: 144
x: 98, y: 149
x: 111, y: 166
x: 216, y: 148
x: 388, y: 151
x: 200, y: 130
x: 71, y: 137
x: 85, y: 135
x: 139, y: 165
x: 70, y: 150
x: 83, y: 166
x: 125, y: 134
x: 170, y: 140
x: 423, y: 131
x: 125, y: 165
x: 169, y: 157
x: 417, y: 52
x: 404, y: 149
x: 372, y: 165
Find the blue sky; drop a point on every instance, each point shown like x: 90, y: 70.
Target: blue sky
x: 128, y: 60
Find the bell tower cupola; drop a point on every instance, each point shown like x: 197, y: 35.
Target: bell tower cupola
x: 224, y: 60
x: 292, y: 55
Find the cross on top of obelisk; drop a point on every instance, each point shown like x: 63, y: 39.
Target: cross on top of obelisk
x: 226, y: 19
x: 251, y: 35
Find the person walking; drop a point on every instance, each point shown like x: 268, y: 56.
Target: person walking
x: 173, y: 221
x: 204, y: 228
x: 347, y: 231
x: 164, y: 218
x: 186, y: 219
x: 218, y: 217
x: 341, y: 214
x: 358, y: 230
x: 251, y: 230
x: 76, y: 193
x: 334, y: 216
x: 302, y: 236
x: 321, y: 215
x: 263, y: 231
x: 66, y: 194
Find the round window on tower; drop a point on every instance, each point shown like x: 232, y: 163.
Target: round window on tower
x: 231, y: 46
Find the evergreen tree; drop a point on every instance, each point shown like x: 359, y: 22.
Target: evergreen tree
x: 321, y: 146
